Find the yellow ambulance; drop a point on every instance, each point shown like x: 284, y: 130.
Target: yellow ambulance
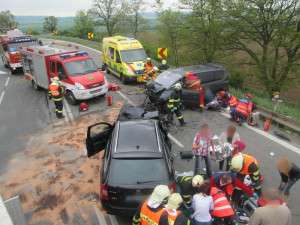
x: 125, y: 57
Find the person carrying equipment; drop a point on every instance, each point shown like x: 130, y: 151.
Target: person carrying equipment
x: 242, y: 110
x: 164, y: 66
x: 186, y: 186
x: 175, y: 216
x: 152, y: 74
x: 192, y: 82
x: 228, y: 100
x: 222, y: 212
x: 174, y: 103
x: 55, y: 92
x: 243, y: 165
x: 149, y: 65
x: 152, y: 211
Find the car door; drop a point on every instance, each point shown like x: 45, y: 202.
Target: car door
x: 97, y: 137
x: 190, y: 98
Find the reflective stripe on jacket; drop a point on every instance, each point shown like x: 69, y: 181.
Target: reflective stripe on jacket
x: 174, y: 100
x: 54, y: 89
x: 149, y: 67
x: 148, y: 217
x: 244, y: 106
x: 222, y: 208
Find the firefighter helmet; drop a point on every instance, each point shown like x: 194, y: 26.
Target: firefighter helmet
x: 175, y: 201
x: 197, y: 180
x: 237, y: 162
x: 222, y: 93
x: 187, y: 73
x: 148, y: 59
x: 161, y: 194
x: 249, y: 96
x: 55, y: 79
x: 177, y: 86
x: 164, y: 62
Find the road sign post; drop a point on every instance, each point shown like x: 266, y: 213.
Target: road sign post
x: 162, y: 53
x: 54, y: 32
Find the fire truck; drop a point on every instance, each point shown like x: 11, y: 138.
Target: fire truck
x: 77, y: 72
x: 9, y: 48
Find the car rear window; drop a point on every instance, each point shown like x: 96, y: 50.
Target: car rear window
x: 137, y: 171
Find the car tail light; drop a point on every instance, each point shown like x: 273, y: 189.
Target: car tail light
x: 104, y: 192
x: 172, y: 188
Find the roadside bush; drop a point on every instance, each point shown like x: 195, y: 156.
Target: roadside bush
x: 236, y: 79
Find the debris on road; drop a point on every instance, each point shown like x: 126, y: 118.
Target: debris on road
x: 282, y: 135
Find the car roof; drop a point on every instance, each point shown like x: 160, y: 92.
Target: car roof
x: 137, y: 139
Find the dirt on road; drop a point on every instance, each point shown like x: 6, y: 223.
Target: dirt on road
x: 55, y: 180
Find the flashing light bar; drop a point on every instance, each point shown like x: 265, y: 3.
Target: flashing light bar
x: 65, y: 56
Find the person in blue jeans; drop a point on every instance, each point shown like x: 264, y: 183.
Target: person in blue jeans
x: 201, y: 145
x: 290, y: 174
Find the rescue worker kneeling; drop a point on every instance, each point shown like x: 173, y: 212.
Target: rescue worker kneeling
x: 222, y: 212
x: 152, y: 211
x: 175, y: 216
x: 55, y: 92
x: 174, y: 103
x: 150, y: 75
x: 228, y: 100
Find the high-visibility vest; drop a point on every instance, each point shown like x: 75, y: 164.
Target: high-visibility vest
x: 232, y: 101
x: 222, y: 208
x: 171, y: 217
x: 149, y: 67
x: 54, y: 89
x: 148, y: 217
x: 244, y: 107
x: 248, y: 160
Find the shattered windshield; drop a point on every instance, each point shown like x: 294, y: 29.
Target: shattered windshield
x: 168, y: 78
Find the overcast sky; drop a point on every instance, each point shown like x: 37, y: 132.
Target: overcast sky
x: 52, y: 7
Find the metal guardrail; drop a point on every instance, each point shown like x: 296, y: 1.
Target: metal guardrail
x: 295, y: 125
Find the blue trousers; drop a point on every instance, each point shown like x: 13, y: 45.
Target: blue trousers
x: 238, y: 114
x: 207, y: 163
x: 287, y: 186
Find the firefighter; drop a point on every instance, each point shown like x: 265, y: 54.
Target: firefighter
x: 149, y: 65
x: 222, y: 212
x: 227, y: 181
x: 55, y: 92
x: 242, y: 110
x: 152, y: 210
x: 243, y: 165
x: 185, y: 185
x: 174, y: 103
x: 152, y: 74
x: 164, y: 66
x: 175, y: 216
x: 192, y: 82
x: 228, y: 100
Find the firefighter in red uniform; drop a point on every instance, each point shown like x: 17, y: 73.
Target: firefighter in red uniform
x: 55, y: 92
x: 192, y: 82
x: 152, y: 211
x: 222, y: 212
x: 244, y: 107
x: 149, y: 65
x: 228, y: 100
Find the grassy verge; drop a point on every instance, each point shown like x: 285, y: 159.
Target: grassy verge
x: 74, y: 40
x: 285, y: 108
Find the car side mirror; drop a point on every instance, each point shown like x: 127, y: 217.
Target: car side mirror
x: 118, y: 60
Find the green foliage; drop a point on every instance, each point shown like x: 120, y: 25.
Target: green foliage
x: 50, y: 24
x: 34, y: 32
x: 67, y: 33
x: 7, y: 20
x: 84, y: 24
x: 236, y: 79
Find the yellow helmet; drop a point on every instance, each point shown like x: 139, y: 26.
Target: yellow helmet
x: 187, y: 73
x: 175, y: 201
x: 197, y: 180
x: 161, y: 194
x: 237, y: 162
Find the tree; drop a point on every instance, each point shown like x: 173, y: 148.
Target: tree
x: 110, y: 13
x: 137, y: 22
x: 84, y: 24
x: 50, y: 24
x: 170, y: 29
x: 7, y: 20
x: 266, y: 31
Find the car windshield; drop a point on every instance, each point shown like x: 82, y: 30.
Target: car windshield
x: 77, y: 68
x: 137, y: 171
x: 133, y: 55
x: 167, y: 78
x: 14, y: 47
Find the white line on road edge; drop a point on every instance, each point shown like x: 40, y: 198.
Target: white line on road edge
x: 7, y: 81
x: 269, y: 136
x: 112, y: 219
x: 100, y: 216
x: 68, y: 109
x: 1, y: 97
x: 175, y: 140
x: 2, y: 72
x: 123, y: 96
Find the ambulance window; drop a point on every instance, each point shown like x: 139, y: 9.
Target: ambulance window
x: 60, y: 68
x: 118, y: 56
x: 111, y: 53
x: 52, y: 66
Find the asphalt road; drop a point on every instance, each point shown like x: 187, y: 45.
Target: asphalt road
x: 24, y: 112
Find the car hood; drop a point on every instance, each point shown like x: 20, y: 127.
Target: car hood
x: 89, y: 78
x: 157, y: 87
x: 134, y: 66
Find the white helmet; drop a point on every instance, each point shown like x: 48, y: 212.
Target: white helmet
x: 175, y: 201
x: 55, y: 79
x: 197, y: 180
x: 237, y: 162
x: 177, y: 86
x: 164, y: 62
x: 155, y: 68
x: 148, y: 59
x: 161, y: 194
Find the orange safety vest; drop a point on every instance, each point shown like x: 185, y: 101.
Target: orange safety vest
x: 149, y: 67
x: 148, y: 217
x: 222, y: 208
x: 172, y: 218
x: 54, y: 90
x: 244, y: 108
x: 248, y: 159
x: 232, y: 101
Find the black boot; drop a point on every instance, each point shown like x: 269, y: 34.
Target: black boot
x: 182, y: 122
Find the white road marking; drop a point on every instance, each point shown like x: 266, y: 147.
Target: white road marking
x: 123, y: 96
x: 112, y: 219
x: 2, y: 72
x: 68, y: 109
x: 100, y: 216
x: 269, y: 136
x: 175, y: 140
x: 2, y: 96
x: 6, y: 84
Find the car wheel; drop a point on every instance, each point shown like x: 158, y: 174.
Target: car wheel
x: 123, y: 79
x: 107, y: 70
x: 102, y: 96
x: 71, y: 98
x: 12, y: 71
x: 35, y: 86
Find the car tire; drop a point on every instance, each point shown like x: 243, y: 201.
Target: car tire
x: 107, y: 70
x: 102, y: 96
x: 123, y: 79
x: 35, y: 86
x: 71, y: 98
x: 13, y: 72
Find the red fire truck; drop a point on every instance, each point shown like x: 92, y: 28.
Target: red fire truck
x: 77, y: 72
x: 9, y: 48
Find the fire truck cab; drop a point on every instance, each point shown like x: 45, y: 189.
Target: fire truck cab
x: 9, y: 48
x: 77, y: 72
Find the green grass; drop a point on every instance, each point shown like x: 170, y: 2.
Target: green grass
x: 285, y: 108
x: 87, y: 43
